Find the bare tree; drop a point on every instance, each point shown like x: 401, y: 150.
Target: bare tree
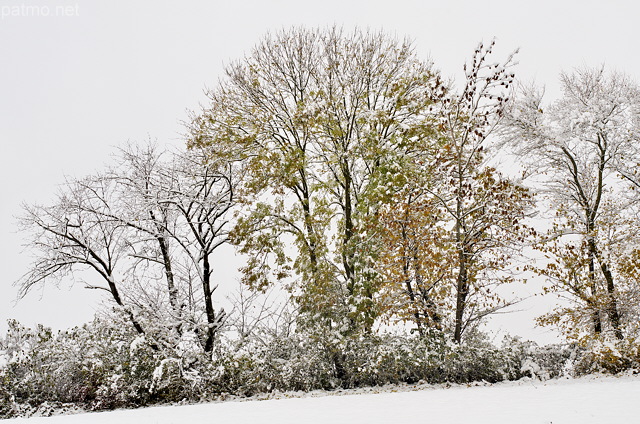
x: 73, y: 234
x: 146, y: 220
x: 143, y: 188
x: 203, y: 194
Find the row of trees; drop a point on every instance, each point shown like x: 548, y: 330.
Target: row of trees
x: 353, y: 176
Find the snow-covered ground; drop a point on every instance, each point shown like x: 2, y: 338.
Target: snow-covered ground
x: 601, y: 400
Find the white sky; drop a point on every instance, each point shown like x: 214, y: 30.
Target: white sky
x: 72, y: 87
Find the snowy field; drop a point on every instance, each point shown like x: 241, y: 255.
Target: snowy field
x: 601, y: 400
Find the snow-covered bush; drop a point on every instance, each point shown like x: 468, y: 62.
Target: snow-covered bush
x: 98, y: 366
x: 6, y: 399
x: 105, y: 365
x: 296, y: 362
x: 601, y: 355
x: 371, y: 359
x: 539, y: 362
x: 35, y: 365
x: 306, y: 362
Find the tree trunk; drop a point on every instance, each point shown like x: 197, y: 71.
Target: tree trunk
x: 430, y: 315
x: 412, y: 298
x: 462, y: 290
x: 611, y: 308
x: 208, y: 303
x: 461, y: 298
x: 171, y: 287
x: 312, y: 238
x: 462, y: 283
x: 163, y: 243
x: 597, y: 322
x: 347, y: 253
x: 612, y: 304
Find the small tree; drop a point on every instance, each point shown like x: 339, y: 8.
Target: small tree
x: 415, y: 261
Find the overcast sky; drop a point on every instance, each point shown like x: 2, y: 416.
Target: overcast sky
x: 79, y: 78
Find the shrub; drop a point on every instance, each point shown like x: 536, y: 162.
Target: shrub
x: 597, y: 354
x: 104, y: 365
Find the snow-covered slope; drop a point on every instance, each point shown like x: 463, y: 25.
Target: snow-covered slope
x: 599, y: 400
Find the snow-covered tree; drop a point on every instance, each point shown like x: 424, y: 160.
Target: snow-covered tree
x: 319, y: 116
x: 148, y: 227
x: 578, y: 146
x: 74, y: 234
